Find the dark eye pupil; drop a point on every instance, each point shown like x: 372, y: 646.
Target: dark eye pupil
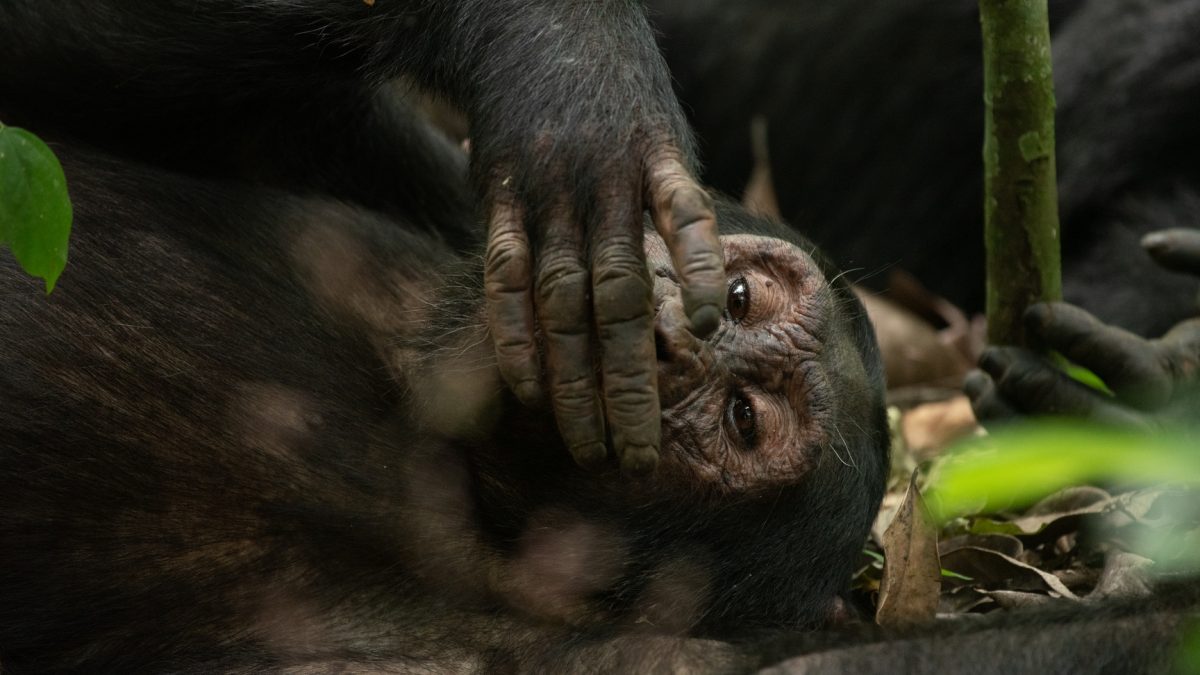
x: 738, y: 302
x: 741, y: 413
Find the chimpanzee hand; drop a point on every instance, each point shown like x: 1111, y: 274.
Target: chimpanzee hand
x: 1153, y: 381
x: 575, y: 133
x: 569, y: 157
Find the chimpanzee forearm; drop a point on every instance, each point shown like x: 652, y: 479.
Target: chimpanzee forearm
x: 119, y: 58
x: 575, y: 131
x: 367, y: 147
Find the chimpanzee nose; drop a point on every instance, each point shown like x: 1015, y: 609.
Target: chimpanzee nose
x: 685, y: 362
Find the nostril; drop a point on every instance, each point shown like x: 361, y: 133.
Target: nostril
x: 661, y: 345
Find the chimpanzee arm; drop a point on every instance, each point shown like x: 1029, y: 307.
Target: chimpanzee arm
x: 575, y: 131
x: 1154, y: 381
x: 1136, y: 636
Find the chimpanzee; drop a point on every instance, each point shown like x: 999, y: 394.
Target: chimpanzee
x: 252, y: 429
x: 874, y: 122
x: 261, y: 421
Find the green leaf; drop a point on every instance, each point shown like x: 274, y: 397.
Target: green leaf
x: 1187, y: 660
x: 989, y: 526
x: 955, y: 575
x: 35, y: 210
x: 1022, y: 464
x: 1080, y: 374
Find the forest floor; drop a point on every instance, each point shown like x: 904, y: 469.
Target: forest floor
x: 1072, y: 546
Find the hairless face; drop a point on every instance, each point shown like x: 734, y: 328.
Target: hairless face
x: 780, y: 382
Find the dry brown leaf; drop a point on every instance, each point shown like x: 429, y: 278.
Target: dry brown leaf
x: 891, y: 504
x: 1125, y: 576
x: 1001, y: 543
x: 932, y: 427
x: 759, y: 196
x: 1018, y: 599
x: 911, y: 571
x: 1116, y: 512
x: 966, y: 335
x: 961, y: 600
x: 1068, y: 499
x: 913, y: 352
x: 987, y: 567
x: 1078, y: 577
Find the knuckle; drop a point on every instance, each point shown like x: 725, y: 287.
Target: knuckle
x: 507, y: 244
x: 507, y: 262
x: 665, y: 165
x: 574, y: 396
x: 673, y: 189
x: 634, y: 398
x: 691, y: 203
x: 622, y: 295
x: 620, y: 256
x: 628, y: 341
x: 514, y: 346
x: 562, y: 280
x: 631, y: 369
x: 703, y: 266
x: 503, y: 290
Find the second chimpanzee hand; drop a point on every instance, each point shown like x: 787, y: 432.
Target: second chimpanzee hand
x: 1153, y: 381
x: 569, y: 157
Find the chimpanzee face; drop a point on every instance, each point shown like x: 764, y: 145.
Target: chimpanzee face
x: 783, y: 381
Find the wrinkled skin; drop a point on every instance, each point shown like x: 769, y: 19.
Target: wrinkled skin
x: 575, y: 134
x: 754, y: 405
x: 1155, y: 383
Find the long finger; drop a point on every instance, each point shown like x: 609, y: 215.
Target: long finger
x: 684, y: 216
x: 564, y: 314
x: 1176, y: 249
x: 1182, y: 347
x: 987, y: 404
x: 1035, y: 387
x: 1128, y: 364
x: 624, y: 311
x: 507, y: 285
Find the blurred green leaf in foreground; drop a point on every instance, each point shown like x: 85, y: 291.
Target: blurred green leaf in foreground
x: 1022, y: 464
x: 1019, y: 465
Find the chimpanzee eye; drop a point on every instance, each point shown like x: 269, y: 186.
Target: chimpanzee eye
x: 741, y: 418
x: 737, y: 304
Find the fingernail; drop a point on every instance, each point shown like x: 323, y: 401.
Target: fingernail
x: 974, y: 384
x: 1156, y: 242
x: 1037, y: 316
x: 639, y: 459
x: 704, y: 320
x: 590, y: 456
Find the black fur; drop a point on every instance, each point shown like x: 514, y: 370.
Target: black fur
x: 875, y: 126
